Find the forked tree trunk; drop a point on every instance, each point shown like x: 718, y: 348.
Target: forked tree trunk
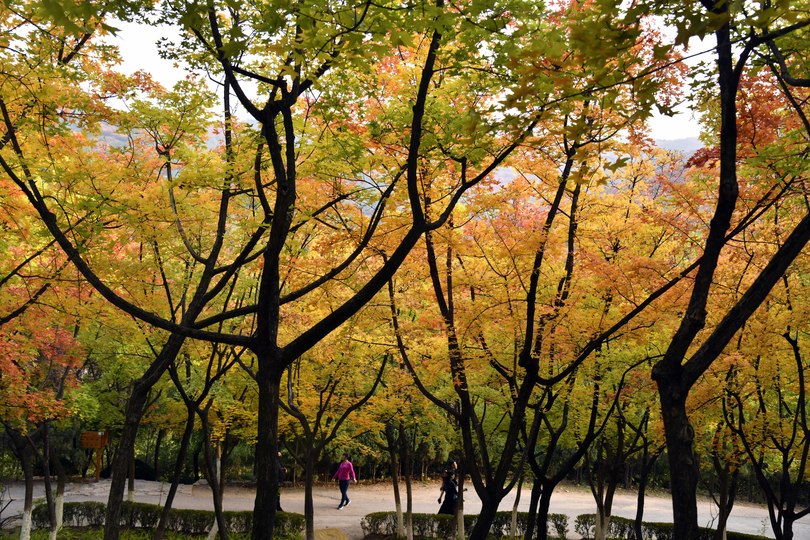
x: 544, y: 503
x: 214, y: 466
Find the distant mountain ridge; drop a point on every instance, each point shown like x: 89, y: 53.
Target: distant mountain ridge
x: 689, y: 144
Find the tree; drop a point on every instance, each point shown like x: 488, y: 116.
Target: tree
x: 580, y: 124
x: 692, y: 351
x: 37, y: 364
x: 321, y: 407
x: 764, y: 402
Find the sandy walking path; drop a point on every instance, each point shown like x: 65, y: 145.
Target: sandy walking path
x: 367, y: 498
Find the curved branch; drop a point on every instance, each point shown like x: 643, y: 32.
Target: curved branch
x: 374, y: 222
x: 403, y: 353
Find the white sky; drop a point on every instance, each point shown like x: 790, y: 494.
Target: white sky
x: 138, y: 46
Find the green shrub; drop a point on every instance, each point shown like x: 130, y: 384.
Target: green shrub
x: 190, y: 521
x: 242, y: 521
x: 502, y: 524
x: 560, y: 524
x: 135, y: 516
x: 621, y: 527
x: 730, y: 535
x: 382, y: 523
x: 442, y: 526
x: 288, y: 524
x: 74, y: 514
x: 585, y: 525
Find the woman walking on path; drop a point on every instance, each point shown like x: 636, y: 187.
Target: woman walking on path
x: 344, y: 476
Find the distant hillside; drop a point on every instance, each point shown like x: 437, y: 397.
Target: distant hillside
x: 683, y: 145
x: 112, y: 137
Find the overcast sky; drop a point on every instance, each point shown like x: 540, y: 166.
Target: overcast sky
x: 137, y: 43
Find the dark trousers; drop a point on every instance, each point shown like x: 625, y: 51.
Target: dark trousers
x: 344, y: 491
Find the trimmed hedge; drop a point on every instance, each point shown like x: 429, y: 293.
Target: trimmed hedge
x: 74, y: 514
x: 288, y: 525
x: 146, y: 516
x: 623, y: 528
x: 441, y: 526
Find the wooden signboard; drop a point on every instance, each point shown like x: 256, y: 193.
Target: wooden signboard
x: 95, y: 440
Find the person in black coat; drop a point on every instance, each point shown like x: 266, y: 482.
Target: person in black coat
x: 449, y: 490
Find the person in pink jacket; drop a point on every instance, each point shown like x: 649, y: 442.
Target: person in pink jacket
x: 344, y: 476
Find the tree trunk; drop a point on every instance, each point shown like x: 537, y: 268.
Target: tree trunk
x: 121, y: 459
x: 264, y: 510
x: 213, y: 466
x: 683, y: 469
x: 647, y: 464
x: 45, y: 459
x: 131, y: 479
x: 59, y: 501
x: 727, y: 495
x: 309, y: 507
x: 156, y: 457
x: 787, y: 527
x: 460, y: 533
x: 125, y: 452
x: 542, y: 513
x: 531, y: 517
x: 601, y: 526
x: 394, y: 461
x: 407, y: 472
x: 483, y: 524
x: 23, y: 451
x: 160, y: 531
x: 513, y: 532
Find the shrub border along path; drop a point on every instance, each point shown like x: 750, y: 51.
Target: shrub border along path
x: 378, y: 497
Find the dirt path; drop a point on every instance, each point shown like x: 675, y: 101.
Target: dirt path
x: 366, y: 498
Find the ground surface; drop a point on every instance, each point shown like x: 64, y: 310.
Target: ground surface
x: 333, y: 524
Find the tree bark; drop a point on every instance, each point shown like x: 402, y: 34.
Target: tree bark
x: 647, y: 463
x: 683, y: 465
x: 213, y: 466
x: 125, y: 451
x: 407, y: 472
x: 59, y: 501
x: 309, y: 507
x: 264, y: 512
x: 156, y: 458
x: 391, y: 441
x: 531, y: 517
x: 160, y: 531
x: 24, y: 454
x: 543, y: 505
